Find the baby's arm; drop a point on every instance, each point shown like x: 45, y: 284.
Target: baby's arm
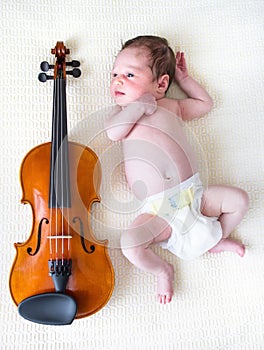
x: 198, y: 101
x: 121, y: 121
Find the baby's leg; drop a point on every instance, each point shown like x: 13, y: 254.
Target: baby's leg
x: 135, y: 243
x: 230, y: 205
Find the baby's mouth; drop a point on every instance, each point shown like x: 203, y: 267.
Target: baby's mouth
x: 119, y: 93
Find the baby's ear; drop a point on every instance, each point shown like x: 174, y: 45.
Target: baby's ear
x: 163, y: 83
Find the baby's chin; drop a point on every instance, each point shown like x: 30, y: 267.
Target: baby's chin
x: 122, y: 104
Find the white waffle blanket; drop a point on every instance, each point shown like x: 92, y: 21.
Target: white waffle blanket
x: 219, y: 299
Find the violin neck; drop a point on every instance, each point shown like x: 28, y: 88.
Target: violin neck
x: 59, y: 190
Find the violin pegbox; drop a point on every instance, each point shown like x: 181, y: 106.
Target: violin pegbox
x: 60, y: 51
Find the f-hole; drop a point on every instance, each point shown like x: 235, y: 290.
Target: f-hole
x: 29, y: 250
x: 92, y: 247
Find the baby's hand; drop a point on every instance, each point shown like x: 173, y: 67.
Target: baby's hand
x: 149, y: 102
x: 181, y: 71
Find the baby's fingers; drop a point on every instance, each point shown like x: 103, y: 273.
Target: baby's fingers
x: 178, y: 57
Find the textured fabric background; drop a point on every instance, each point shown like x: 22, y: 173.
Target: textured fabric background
x: 218, y: 302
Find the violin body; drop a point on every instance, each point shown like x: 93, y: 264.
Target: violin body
x: 91, y: 282
x: 60, y: 180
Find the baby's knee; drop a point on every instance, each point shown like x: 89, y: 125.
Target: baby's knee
x: 132, y: 239
x: 127, y: 241
x: 243, y: 200
x: 137, y: 234
x: 130, y: 246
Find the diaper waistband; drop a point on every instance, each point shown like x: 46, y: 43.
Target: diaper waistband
x: 185, y: 185
x: 177, y: 197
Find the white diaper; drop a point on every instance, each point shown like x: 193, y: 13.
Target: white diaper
x: 193, y: 234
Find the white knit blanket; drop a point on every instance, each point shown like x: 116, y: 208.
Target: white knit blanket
x: 218, y: 301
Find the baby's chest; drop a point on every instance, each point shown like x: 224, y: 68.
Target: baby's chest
x: 162, y: 127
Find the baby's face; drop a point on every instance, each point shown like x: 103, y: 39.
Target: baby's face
x: 131, y: 76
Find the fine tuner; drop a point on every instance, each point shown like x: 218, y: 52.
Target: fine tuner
x: 45, y: 66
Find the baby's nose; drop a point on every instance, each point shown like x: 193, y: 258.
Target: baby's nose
x: 119, y: 80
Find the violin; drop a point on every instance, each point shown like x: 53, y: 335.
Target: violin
x: 61, y: 272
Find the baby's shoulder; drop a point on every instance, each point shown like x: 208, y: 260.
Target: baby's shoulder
x: 170, y: 104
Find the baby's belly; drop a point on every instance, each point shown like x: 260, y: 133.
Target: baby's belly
x: 152, y: 167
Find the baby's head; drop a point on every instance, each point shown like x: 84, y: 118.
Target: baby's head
x: 145, y: 65
x: 161, y: 56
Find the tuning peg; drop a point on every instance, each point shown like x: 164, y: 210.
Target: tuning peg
x: 75, y: 72
x: 73, y: 63
x: 44, y: 77
x: 45, y: 66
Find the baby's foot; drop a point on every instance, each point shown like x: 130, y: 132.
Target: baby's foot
x: 227, y: 244
x: 165, y: 285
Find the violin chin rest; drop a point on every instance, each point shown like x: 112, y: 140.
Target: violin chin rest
x: 49, y: 308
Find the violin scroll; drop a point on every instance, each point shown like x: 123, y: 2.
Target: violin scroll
x: 60, y: 51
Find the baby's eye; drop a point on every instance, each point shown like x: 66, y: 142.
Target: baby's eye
x: 130, y: 75
x: 114, y: 75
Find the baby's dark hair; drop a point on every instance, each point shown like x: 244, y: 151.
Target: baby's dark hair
x: 162, y: 56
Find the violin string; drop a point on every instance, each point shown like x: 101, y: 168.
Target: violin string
x: 53, y: 183
x: 66, y: 168
x: 56, y: 172
x: 68, y: 201
x: 68, y: 184
x: 66, y: 180
x: 61, y: 155
x: 50, y: 233
x: 65, y: 197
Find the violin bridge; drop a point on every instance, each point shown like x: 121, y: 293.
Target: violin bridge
x: 59, y: 237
